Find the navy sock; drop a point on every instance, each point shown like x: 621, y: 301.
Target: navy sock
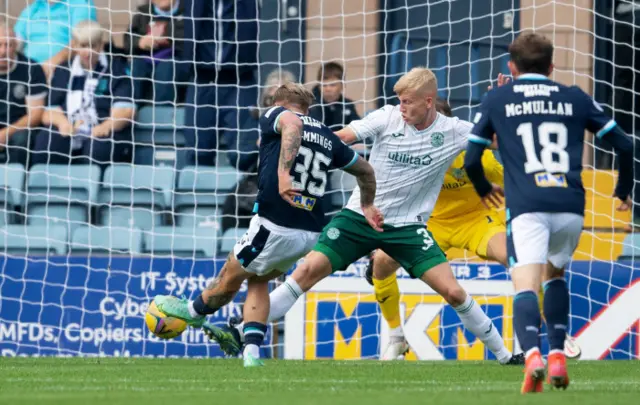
x: 526, y: 319
x: 201, y: 307
x: 556, y: 311
x: 254, y: 333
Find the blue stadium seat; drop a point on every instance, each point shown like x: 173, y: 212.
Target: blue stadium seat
x: 207, y: 217
x: 630, y: 247
x: 229, y: 239
x: 178, y: 241
x: 161, y: 125
x: 130, y: 185
x: 205, y: 186
x: 12, y: 185
x: 342, y: 184
x: 106, y: 240
x: 11, y: 191
x: 33, y: 240
x: 130, y: 217
x: 69, y: 216
x: 63, y: 184
x: 160, y: 155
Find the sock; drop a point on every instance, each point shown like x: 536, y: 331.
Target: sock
x: 474, y: 319
x: 253, y: 336
x: 388, y: 297
x: 556, y: 311
x: 198, y: 308
x: 283, y: 298
x: 526, y: 319
x: 396, y: 335
x: 541, y: 303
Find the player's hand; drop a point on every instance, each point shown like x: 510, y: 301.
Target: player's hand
x: 625, y: 205
x: 286, y: 189
x: 374, y: 217
x: 494, y: 198
x: 502, y: 80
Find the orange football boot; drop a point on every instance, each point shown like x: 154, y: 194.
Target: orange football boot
x: 533, y: 374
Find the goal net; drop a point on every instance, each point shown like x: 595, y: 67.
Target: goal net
x: 90, y: 235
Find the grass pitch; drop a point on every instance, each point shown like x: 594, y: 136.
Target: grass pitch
x: 138, y: 381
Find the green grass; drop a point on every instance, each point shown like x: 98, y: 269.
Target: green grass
x: 216, y: 382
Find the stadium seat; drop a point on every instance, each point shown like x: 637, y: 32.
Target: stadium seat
x: 229, y: 239
x: 160, y: 125
x: 129, y: 185
x: 198, y: 217
x: 106, y: 240
x: 69, y: 216
x: 63, y: 184
x: 11, y: 185
x: 33, y: 240
x: 160, y: 155
x: 342, y: 184
x: 205, y: 186
x: 630, y: 247
x: 603, y: 246
x: 601, y: 213
x: 130, y: 217
x: 178, y: 241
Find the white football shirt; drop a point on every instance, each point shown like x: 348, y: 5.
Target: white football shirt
x: 409, y: 164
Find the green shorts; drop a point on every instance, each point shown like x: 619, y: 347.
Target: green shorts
x: 349, y: 237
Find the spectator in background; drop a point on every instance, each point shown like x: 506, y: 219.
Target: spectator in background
x: 90, y: 105
x: 626, y: 82
x: 24, y: 90
x: 155, y: 43
x: 221, y: 41
x: 44, y: 28
x: 237, y: 210
x: 335, y: 110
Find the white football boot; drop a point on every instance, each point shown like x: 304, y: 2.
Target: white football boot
x: 395, y: 350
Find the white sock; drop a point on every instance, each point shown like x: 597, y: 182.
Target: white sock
x: 396, y: 334
x: 253, y: 350
x: 283, y: 298
x: 474, y: 319
x: 192, y: 311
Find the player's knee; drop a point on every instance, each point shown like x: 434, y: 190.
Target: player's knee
x: 311, y: 270
x: 552, y: 271
x: 455, y: 295
x: 383, y: 266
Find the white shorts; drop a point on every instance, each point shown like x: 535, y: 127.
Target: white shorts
x: 267, y: 247
x: 541, y: 237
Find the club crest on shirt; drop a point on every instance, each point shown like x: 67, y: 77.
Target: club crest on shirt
x: 333, y: 233
x: 437, y: 139
x: 19, y: 91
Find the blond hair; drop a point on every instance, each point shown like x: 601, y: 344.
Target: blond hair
x: 294, y: 93
x: 88, y: 33
x: 418, y: 79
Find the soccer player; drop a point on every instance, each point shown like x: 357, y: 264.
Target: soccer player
x: 540, y: 127
x: 413, y: 146
x: 459, y: 220
x: 296, y: 152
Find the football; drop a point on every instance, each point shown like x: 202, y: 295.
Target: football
x: 162, y: 326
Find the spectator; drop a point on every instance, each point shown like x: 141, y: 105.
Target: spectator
x: 335, y: 110
x: 238, y: 207
x: 156, y: 54
x: 90, y: 107
x: 243, y: 154
x: 24, y: 87
x: 221, y: 41
x: 44, y: 27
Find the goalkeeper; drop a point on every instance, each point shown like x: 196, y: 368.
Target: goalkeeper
x: 459, y: 220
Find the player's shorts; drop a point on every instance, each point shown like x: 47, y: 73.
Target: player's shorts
x: 471, y: 231
x: 541, y: 237
x: 349, y: 237
x: 266, y: 247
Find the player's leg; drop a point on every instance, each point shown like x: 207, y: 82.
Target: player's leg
x: 415, y: 249
x: 527, y: 246
x: 344, y: 240
x: 565, y: 234
x: 387, y: 295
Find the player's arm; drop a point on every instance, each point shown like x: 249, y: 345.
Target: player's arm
x: 480, y: 138
x: 607, y: 130
x: 366, y: 178
x: 289, y: 126
x: 370, y: 126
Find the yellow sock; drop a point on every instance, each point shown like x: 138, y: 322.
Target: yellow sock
x: 388, y: 297
x: 541, y: 302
